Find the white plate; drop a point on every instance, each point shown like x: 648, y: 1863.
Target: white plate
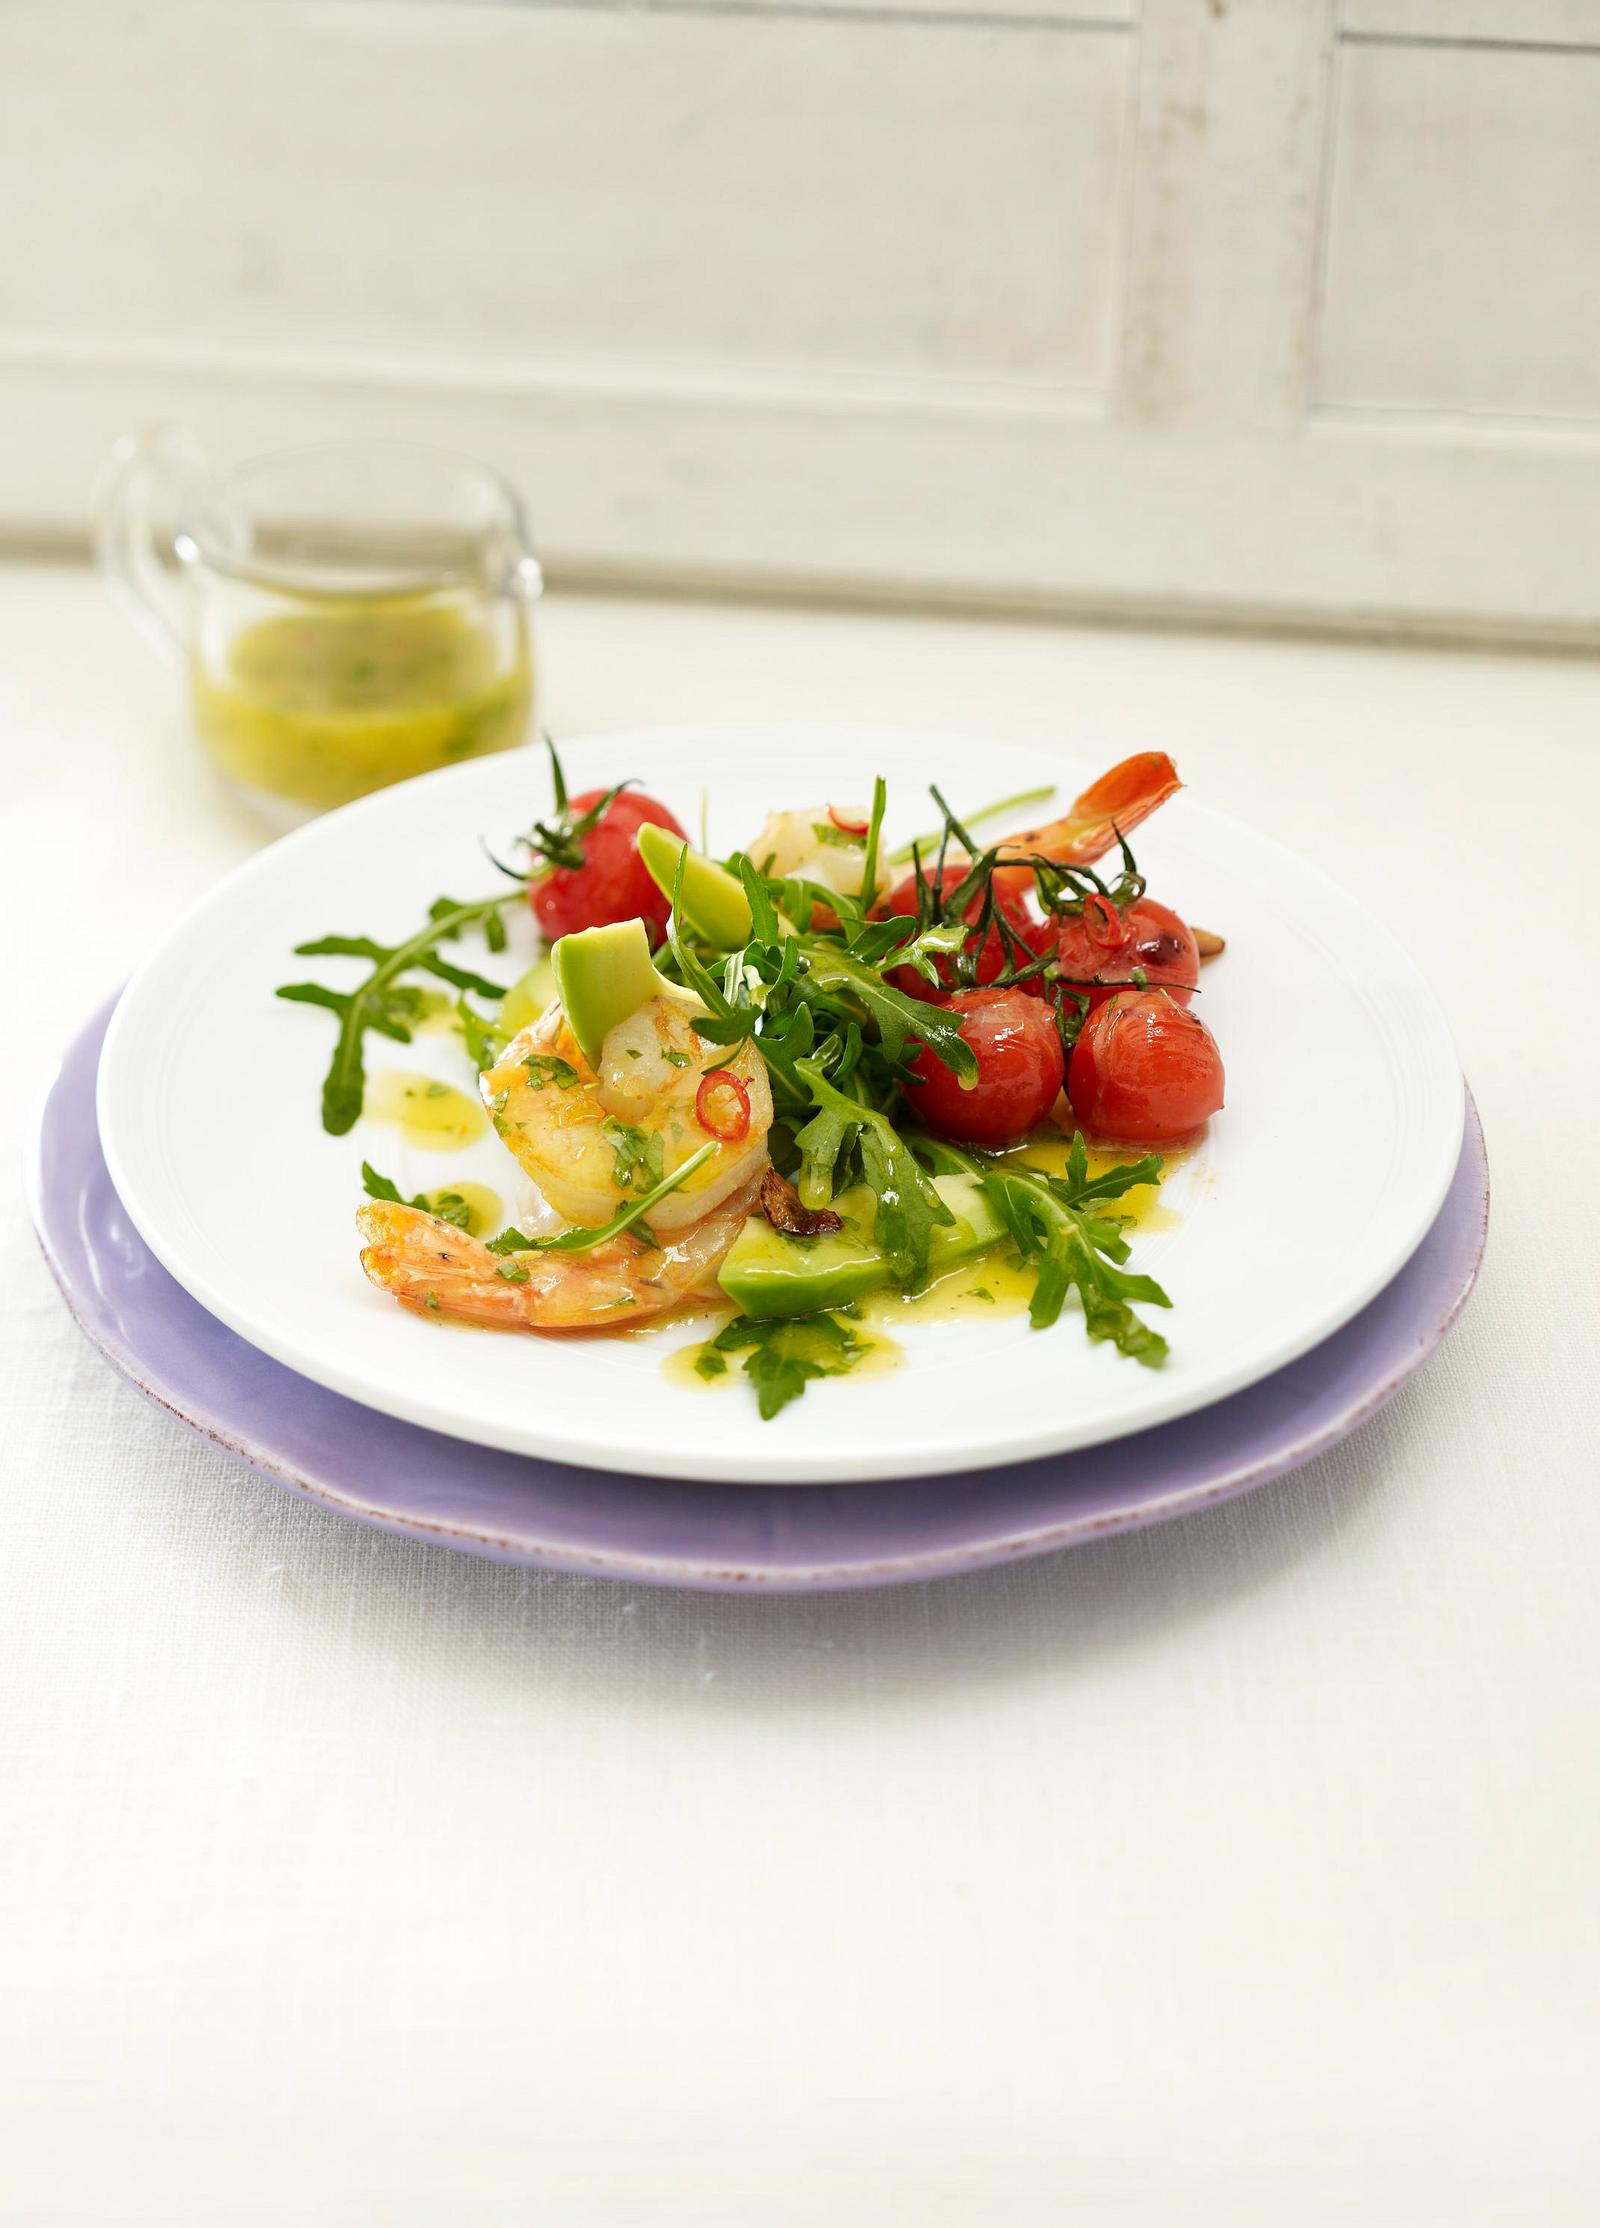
x: 1341, y: 1132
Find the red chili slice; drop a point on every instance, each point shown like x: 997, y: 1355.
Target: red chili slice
x: 848, y: 827
x: 1103, y: 923
x: 730, y: 1124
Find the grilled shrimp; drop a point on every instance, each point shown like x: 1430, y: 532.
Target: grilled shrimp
x: 591, y: 1137
x: 1113, y: 805
x: 430, y: 1267
x: 836, y: 858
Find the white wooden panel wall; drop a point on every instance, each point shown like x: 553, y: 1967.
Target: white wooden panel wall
x: 1463, y: 252
x: 1249, y: 308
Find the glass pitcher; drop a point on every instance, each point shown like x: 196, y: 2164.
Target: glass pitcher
x: 349, y: 615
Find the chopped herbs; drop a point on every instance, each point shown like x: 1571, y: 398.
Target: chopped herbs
x: 784, y: 1354
x: 544, y: 1068
x: 445, y: 1206
x: 630, y: 1217
x: 837, y: 1035
x: 636, y: 1159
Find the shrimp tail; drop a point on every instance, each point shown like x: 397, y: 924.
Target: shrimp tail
x: 430, y: 1267
x: 1109, y: 807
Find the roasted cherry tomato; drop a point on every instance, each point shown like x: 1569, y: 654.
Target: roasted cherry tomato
x: 992, y: 960
x: 613, y: 883
x: 1020, y: 1066
x: 1105, y: 944
x: 1144, y: 1070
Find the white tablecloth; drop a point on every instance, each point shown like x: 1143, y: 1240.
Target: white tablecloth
x: 1242, y: 1871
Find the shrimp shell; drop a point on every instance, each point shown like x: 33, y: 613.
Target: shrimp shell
x: 431, y: 1268
x: 564, y: 1133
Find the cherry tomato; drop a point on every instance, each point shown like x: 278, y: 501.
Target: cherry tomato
x: 613, y: 883
x: 992, y: 960
x: 1100, y: 942
x: 1144, y: 1070
x: 1020, y: 1066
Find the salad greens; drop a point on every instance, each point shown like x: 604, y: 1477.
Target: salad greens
x: 1052, y: 1222
x: 383, y: 1002
x: 631, y: 1217
x: 816, y: 988
x: 783, y: 1354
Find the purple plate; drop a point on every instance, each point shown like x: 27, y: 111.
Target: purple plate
x: 781, y: 1538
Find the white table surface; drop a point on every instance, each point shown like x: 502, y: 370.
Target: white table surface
x: 1240, y: 1871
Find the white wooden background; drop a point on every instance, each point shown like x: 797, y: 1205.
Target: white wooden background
x: 1282, y: 309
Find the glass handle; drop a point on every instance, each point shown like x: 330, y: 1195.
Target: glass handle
x: 524, y: 579
x: 141, y: 469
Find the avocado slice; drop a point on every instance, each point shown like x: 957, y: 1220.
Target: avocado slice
x: 714, y: 903
x: 603, y: 975
x: 528, y: 996
x: 767, y: 1273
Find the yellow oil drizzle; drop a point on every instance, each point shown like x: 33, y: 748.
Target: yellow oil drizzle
x: 483, y: 1205
x: 878, y: 1356
x: 679, y: 1369
x: 433, y: 1116
x: 1140, y: 1209
x: 991, y: 1285
x: 438, y: 1017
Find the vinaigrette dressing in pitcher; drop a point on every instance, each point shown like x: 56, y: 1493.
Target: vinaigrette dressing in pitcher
x: 349, y: 616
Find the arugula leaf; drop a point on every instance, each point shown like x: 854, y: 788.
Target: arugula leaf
x: 1076, y: 1187
x: 869, y: 865
x: 1051, y: 1220
x: 383, y: 1187
x: 494, y: 932
x: 484, y: 1041
x: 822, y: 1143
x: 463, y: 978
x: 898, y: 1017
x: 909, y: 1209
x: 630, y: 1217
x: 1070, y: 1251
x: 363, y: 947
x: 379, y: 1003
x: 784, y: 1354
x: 903, y: 856
x: 511, y: 1241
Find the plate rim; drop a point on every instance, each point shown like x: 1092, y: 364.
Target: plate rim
x: 781, y: 1463
x: 915, y: 1566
